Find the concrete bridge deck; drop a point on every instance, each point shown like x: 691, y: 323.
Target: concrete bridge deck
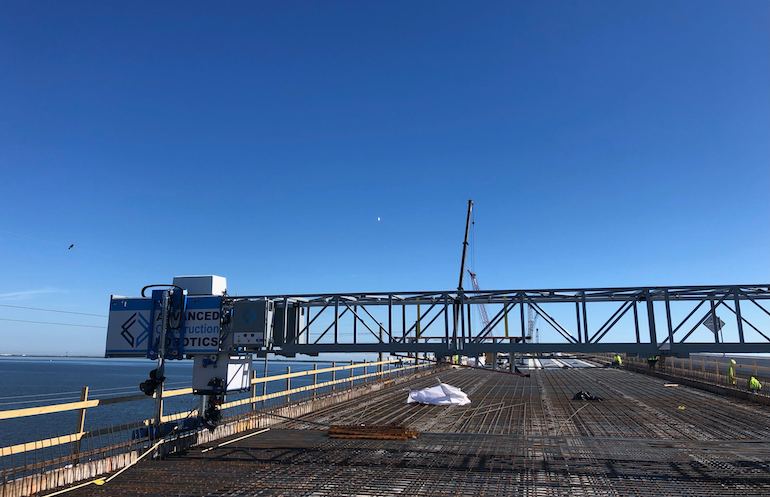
x: 519, y: 436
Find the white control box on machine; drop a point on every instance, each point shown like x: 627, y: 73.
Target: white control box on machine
x: 209, y: 284
x: 230, y: 373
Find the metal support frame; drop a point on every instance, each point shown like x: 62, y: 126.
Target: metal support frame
x: 428, y: 328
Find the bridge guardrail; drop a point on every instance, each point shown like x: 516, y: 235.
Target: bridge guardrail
x: 385, y: 368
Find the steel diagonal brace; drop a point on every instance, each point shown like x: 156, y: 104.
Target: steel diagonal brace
x: 307, y: 326
x: 688, y: 316
x: 362, y: 306
x: 494, y: 322
x: 438, y: 314
x: 356, y: 316
x: 559, y: 328
x: 623, y: 309
x: 758, y: 305
x: 705, y: 316
x: 329, y: 327
x: 746, y: 321
x: 414, y: 326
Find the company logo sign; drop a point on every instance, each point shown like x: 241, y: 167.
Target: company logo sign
x: 127, y: 326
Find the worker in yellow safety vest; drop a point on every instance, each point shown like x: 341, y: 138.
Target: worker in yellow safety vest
x: 617, y: 361
x: 652, y: 361
x: 754, y: 385
x: 731, y: 373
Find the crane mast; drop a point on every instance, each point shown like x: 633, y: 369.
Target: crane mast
x: 482, y: 307
x: 532, y: 330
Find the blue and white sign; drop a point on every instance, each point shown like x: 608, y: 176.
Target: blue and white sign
x: 130, y: 329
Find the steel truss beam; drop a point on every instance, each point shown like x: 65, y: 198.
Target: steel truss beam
x: 446, y: 315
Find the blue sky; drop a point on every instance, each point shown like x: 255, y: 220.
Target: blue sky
x: 605, y: 143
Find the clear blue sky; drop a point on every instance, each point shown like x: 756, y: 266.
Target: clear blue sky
x: 605, y: 143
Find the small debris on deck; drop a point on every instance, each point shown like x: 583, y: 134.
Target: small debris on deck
x: 375, y: 432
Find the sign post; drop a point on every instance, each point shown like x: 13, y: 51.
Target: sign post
x: 715, y: 329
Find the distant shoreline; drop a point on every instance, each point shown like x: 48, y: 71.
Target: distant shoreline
x: 54, y: 356
x: 144, y: 359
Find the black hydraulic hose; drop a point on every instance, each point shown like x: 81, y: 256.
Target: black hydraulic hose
x: 160, y: 285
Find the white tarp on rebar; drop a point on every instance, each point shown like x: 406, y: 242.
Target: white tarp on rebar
x: 440, y: 395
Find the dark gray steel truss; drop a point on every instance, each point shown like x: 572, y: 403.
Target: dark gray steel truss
x: 443, y: 323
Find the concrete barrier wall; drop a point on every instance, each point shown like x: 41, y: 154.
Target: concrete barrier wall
x: 34, y: 484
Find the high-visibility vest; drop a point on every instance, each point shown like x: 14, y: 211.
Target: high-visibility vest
x: 754, y: 384
x: 731, y: 372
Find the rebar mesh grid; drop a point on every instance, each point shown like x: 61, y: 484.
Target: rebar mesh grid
x: 519, y: 437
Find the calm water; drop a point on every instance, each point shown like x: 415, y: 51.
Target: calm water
x: 28, y: 382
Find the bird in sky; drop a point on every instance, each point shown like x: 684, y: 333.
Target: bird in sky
x: 378, y: 219
x: 70, y: 247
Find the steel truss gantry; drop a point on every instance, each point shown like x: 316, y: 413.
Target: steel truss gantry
x: 443, y: 322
